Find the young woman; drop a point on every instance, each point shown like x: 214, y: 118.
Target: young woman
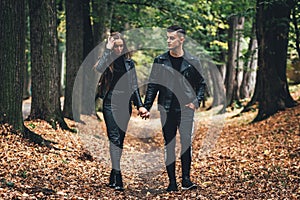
x: 118, y: 88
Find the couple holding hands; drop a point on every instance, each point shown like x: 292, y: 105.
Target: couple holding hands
x: 175, y: 77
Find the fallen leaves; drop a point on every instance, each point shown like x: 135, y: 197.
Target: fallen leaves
x: 248, y: 161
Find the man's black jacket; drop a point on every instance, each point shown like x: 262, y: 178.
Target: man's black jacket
x: 187, y: 85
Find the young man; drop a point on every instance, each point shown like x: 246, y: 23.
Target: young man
x: 176, y: 77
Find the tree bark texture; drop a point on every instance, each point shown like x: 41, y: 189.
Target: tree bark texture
x: 88, y: 38
x: 102, y: 24
x: 12, y: 62
x: 27, y: 76
x: 88, y: 92
x: 295, y: 20
x: 74, y: 50
x: 44, y: 61
x: 272, y: 21
x: 250, y: 66
x: 233, y: 63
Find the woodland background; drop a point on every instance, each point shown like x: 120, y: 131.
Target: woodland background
x: 255, y: 46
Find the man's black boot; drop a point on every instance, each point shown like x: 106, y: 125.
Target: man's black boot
x: 187, y: 184
x: 186, y: 159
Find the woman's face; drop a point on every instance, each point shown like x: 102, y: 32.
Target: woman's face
x: 118, y: 46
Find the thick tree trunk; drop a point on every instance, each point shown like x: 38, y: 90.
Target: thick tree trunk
x: 272, y: 34
x: 12, y: 62
x: 46, y: 103
x: 39, y: 58
x: 74, y: 50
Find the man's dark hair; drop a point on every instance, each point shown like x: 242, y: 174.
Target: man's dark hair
x: 177, y: 28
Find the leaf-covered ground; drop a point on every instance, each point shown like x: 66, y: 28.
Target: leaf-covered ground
x: 242, y: 161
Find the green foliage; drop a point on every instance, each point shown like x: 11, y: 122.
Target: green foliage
x: 8, y: 184
x: 61, y: 29
x: 294, y: 30
x: 205, y: 21
x: 143, y: 62
x: 32, y: 125
x: 23, y: 174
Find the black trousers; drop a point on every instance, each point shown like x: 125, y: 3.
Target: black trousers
x: 183, y: 121
x: 116, y: 111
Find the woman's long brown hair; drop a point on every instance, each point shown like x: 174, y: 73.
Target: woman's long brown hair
x: 107, y: 75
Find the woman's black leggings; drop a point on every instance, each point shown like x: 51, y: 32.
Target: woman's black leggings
x: 116, y: 115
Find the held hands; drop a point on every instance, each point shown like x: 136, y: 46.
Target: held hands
x: 144, y: 113
x: 110, y: 42
x: 191, y: 106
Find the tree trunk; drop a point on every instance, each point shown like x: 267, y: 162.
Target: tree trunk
x: 102, y: 25
x: 232, y: 68
x: 60, y: 48
x: 99, y: 28
x: 46, y: 103
x: 295, y: 19
x: 27, y: 78
x: 26, y: 87
x: 88, y: 92
x: 218, y: 88
x: 74, y: 50
x: 257, y: 93
x: 272, y: 34
x: 239, y: 61
x: 88, y: 38
x: 248, y: 83
x: 12, y: 62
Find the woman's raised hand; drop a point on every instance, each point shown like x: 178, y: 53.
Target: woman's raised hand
x: 110, y: 42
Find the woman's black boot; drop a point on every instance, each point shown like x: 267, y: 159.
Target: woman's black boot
x: 112, y: 179
x: 119, y: 182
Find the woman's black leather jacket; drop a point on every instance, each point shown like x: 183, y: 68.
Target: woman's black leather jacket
x: 106, y: 59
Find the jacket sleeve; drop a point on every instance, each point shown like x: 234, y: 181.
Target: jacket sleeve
x: 200, y: 86
x: 152, y: 87
x: 137, y: 101
x: 200, y: 92
x: 104, y: 61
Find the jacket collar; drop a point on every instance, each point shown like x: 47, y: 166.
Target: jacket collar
x: 187, y: 59
x: 127, y: 64
x: 186, y: 55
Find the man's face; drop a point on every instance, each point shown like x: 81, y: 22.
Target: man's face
x: 174, y: 40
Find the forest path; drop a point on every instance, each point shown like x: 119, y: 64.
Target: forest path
x: 241, y: 161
